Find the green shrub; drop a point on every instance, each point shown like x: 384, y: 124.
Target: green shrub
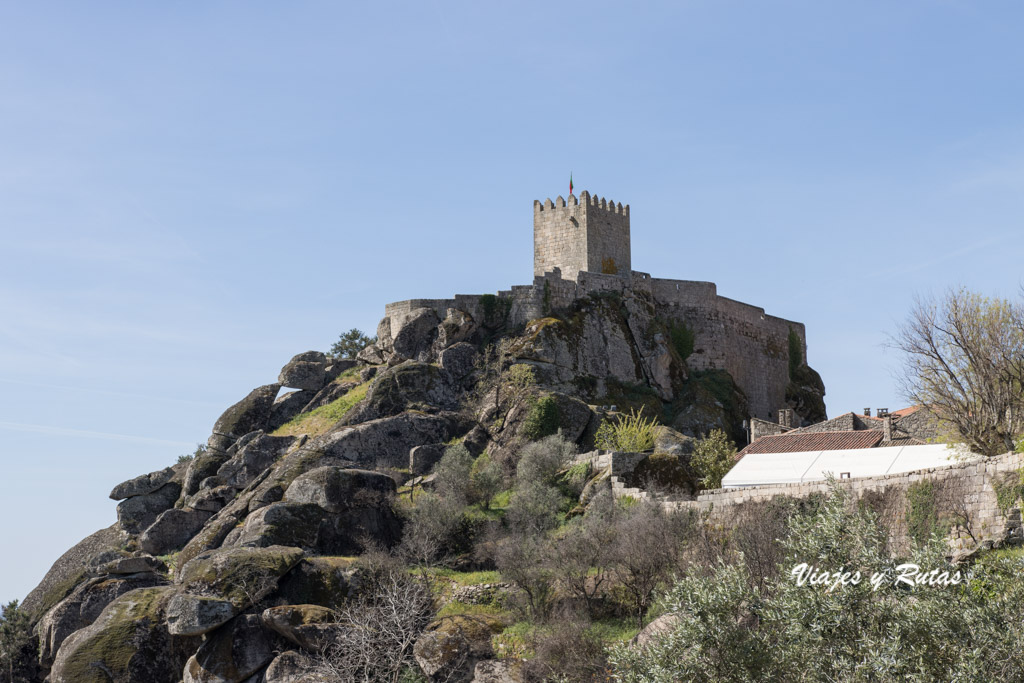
x: 713, y: 457
x: 681, y: 337
x: 796, y: 353
x: 922, y: 514
x: 543, y: 418
x: 189, y: 457
x: 1009, y: 489
x: 631, y: 433
x: 486, y: 479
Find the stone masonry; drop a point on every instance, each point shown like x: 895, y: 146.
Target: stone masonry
x: 590, y: 234
x: 728, y: 335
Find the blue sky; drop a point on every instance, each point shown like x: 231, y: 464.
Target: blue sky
x: 191, y: 193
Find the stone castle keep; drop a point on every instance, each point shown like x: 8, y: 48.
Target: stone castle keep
x: 581, y: 248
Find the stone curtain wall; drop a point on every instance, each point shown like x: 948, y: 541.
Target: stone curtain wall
x: 964, y: 492
x: 728, y: 335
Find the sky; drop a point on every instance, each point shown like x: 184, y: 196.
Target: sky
x: 193, y: 192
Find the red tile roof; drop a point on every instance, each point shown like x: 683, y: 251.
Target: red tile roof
x: 814, y: 441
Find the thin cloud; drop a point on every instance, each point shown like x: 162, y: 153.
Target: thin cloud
x: 88, y: 434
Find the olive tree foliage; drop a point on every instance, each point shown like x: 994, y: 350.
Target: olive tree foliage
x: 713, y: 457
x: 728, y: 630
x: 451, y: 474
x: 540, y: 461
x: 350, y: 343
x: 964, y: 361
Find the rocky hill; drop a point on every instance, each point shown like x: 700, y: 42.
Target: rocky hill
x: 225, y: 567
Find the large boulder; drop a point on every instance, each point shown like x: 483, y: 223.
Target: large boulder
x: 138, y: 512
x: 458, y: 360
x: 71, y: 569
x: 458, y: 326
x: 410, y: 385
x: 232, y: 653
x: 193, y: 615
x: 83, y: 606
x: 142, y: 484
x: 308, y: 626
x: 128, y: 642
x: 172, y: 530
x: 324, y: 581
x: 287, y: 406
x: 358, y: 503
x: 423, y: 458
x: 296, y: 524
x: 498, y: 671
x: 248, y: 415
x: 296, y: 667
x: 252, y: 459
x: 408, y: 335
x: 339, y: 490
x: 219, y: 584
x: 305, y: 371
x: 657, y: 629
x: 450, y: 647
x: 386, y: 442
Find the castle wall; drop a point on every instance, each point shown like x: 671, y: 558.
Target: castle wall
x: 751, y: 346
x: 729, y: 335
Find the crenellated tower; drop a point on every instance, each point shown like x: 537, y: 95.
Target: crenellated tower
x: 589, y: 234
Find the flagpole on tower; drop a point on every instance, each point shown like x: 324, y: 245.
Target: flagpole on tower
x: 570, y: 183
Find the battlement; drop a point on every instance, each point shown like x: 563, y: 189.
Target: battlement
x: 585, y: 234
x: 586, y: 198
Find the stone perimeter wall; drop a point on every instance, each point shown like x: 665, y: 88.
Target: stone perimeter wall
x: 728, y: 335
x: 962, y: 489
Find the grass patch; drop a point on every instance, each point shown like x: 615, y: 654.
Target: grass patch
x: 316, y: 422
x: 457, y: 609
x: 611, y: 631
x: 515, y: 642
x: 463, y: 578
x: 350, y: 375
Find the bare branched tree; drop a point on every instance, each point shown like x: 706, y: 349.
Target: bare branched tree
x: 374, y: 643
x: 965, y: 362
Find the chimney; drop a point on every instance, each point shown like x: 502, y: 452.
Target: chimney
x: 886, y: 427
x: 786, y: 417
x: 882, y: 412
x: 867, y: 412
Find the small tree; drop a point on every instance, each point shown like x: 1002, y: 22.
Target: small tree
x: 15, y: 637
x: 451, y: 473
x: 647, y: 548
x: 964, y: 358
x: 432, y: 530
x: 378, y: 629
x: 541, y: 460
x: 534, y: 508
x: 713, y: 457
x: 486, y: 478
x: 350, y: 344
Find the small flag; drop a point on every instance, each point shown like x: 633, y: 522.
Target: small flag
x: 570, y: 183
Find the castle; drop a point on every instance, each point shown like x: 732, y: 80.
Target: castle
x: 581, y: 247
